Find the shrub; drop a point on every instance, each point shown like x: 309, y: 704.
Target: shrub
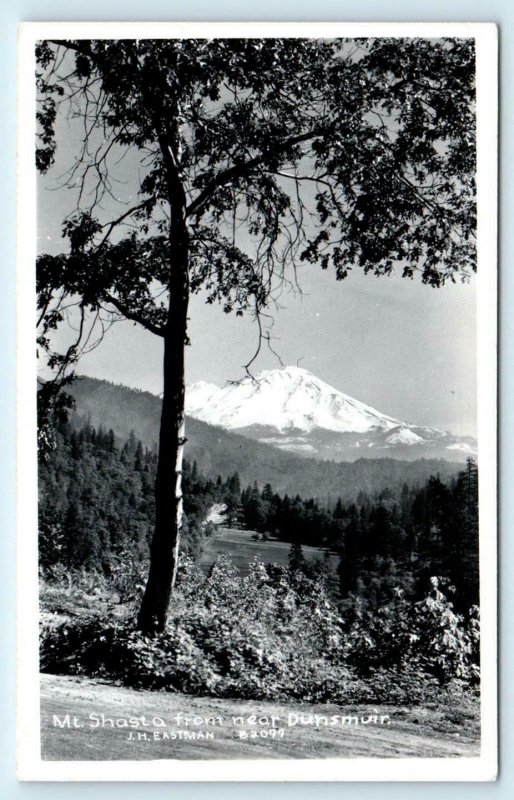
x: 426, y: 639
x: 272, y: 635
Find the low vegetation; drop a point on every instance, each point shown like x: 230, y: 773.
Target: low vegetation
x: 274, y: 634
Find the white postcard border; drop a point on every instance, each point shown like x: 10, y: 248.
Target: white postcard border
x: 30, y: 765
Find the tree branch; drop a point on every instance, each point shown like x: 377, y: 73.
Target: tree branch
x: 132, y: 315
x: 239, y: 170
x: 77, y: 46
x: 111, y: 225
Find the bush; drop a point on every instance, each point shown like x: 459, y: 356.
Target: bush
x: 426, y: 640
x: 272, y: 635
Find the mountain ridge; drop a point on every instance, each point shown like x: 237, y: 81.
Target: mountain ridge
x: 289, y: 398
x: 221, y: 452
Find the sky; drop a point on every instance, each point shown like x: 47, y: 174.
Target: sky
x: 407, y: 349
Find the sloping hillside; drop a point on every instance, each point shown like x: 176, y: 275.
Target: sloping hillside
x: 220, y: 452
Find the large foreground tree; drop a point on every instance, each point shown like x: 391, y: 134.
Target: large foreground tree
x: 249, y: 157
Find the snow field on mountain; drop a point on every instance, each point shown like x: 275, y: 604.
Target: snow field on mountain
x: 285, y: 399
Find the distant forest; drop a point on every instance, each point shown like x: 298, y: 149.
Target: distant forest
x: 97, y: 509
x: 221, y: 452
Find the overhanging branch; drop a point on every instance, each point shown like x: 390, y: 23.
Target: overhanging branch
x: 239, y: 170
x: 111, y: 225
x: 134, y: 316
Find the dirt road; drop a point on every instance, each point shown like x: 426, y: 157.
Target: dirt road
x: 144, y: 725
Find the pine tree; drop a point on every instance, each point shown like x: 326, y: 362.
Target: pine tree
x: 139, y: 458
x: 296, y: 557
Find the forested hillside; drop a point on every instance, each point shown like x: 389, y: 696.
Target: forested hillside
x: 97, y: 510
x: 219, y: 452
x: 395, y: 620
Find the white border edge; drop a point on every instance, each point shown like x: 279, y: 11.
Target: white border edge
x: 30, y: 766
x: 27, y: 601
x: 487, y: 381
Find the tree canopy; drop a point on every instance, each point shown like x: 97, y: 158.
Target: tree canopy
x: 342, y: 153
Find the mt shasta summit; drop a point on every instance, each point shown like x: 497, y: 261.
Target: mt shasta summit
x: 293, y: 410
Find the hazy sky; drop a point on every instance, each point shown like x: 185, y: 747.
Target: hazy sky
x: 407, y: 349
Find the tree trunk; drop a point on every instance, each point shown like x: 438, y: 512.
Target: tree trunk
x: 168, y: 488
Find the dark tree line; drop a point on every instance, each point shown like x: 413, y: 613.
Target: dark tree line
x: 391, y: 539
x: 97, y: 506
x: 97, y: 502
x: 95, y: 499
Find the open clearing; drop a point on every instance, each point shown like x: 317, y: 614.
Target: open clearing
x: 414, y: 732
x: 242, y: 549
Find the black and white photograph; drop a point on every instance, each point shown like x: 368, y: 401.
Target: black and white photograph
x: 258, y: 292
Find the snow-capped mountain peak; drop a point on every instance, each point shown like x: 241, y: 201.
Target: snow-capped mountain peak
x: 294, y: 410
x: 284, y: 399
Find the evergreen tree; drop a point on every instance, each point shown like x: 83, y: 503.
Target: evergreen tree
x: 339, y: 512
x: 464, y: 544
x: 267, y: 493
x: 139, y: 458
x: 296, y: 557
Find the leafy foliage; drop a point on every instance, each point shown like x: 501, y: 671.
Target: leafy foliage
x: 353, y: 145
x: 421, y: 638
x: 276, y: 635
